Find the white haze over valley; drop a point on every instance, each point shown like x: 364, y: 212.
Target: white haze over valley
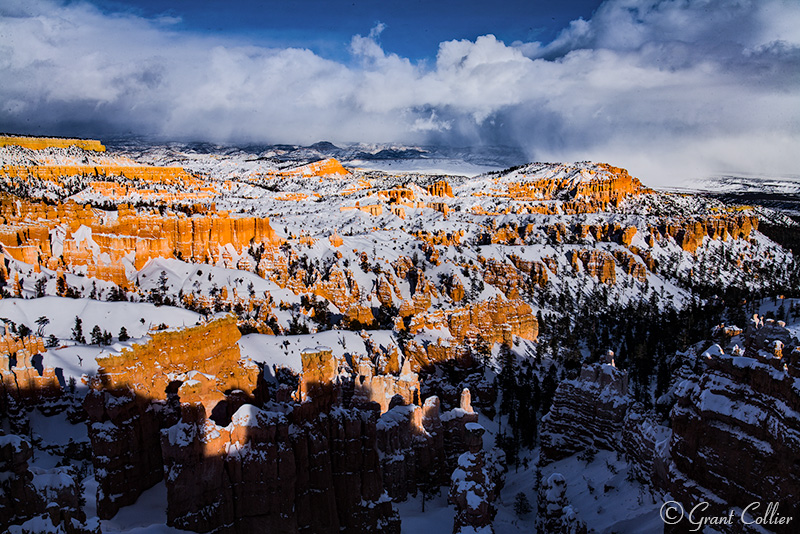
x: 671, y: 90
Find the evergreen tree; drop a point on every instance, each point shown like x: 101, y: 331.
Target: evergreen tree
x: 117, y: 294
x: 97, y: 335
x: 17, y: 417
x: 41, y: 322
x: 123, y: 334
x: 24, y: 330
x: 163, y: 284
x: 522, y: 505
x: 77, y: 331
x: 39, y: 287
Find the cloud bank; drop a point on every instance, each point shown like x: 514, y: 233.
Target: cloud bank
x: 671, y: 89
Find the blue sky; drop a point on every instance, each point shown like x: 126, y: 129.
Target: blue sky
x: 670, y: 89
x: 414, y: 28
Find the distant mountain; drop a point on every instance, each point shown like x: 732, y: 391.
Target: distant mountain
x: 774, y: 192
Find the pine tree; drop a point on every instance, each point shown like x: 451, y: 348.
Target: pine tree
x: 522, y: 506
x: 163, y: 286
x: 24, y: 330
x: 39, y: 287
x: 77, y: 331
x: 41, y: 322
x: 17, y: 417
x: 97, y: 335
x: 123, y: 334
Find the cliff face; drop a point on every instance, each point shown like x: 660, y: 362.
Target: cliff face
x: 594, y: 185
x: 38, y: 143
x: 586, y: 412
x: 184, y: 408
x: 740, y: 421
x: 597, y: 263
x: 263, y: 473
x: 23, y: 380
x: 735, y: 425
x: 55, y: 173
x: 138, y: 392
x: 74, y: 235
x: 495, y: 320
x: 440, y: 189
x: 689, y: 234
x: 323, y: 167
x: 204, y: 359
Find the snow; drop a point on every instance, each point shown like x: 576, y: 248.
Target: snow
x: 56, y: 429
x: 286, y: 351
x: 604, y: 499
x: 247, y: 416
x: 75, y: 359
x: 109, y: 316
x: 437, y: 518
x: 48, y: 483
x: 13, y: 440
x: 147, y: 516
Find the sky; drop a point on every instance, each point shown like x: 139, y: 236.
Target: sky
x: 670, y: 89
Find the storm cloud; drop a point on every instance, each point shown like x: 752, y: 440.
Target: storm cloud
x: 670, y: 89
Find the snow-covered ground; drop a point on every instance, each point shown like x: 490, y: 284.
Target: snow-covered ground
x: 76, y: 359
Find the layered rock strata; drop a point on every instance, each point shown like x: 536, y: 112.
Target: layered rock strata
x: 586, y: 412
x: 740, y: 421
x: 74, y: 235
x: 38, y: 143
x: 138, y: 391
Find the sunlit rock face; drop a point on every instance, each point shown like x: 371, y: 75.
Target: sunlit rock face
x: 38, y: 143
x: 22, y: 380
x: 382, y: 295
x: 138, y: 391
x: 71, y: 235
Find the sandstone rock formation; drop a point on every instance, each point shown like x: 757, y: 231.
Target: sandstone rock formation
x: 23, y: 380
x: 74, y: 235
x: 597, y: 263
x: 473, y: 489
x: 740, y: 421
x: 586, y: 412
x: 602, y: 184
x: 689, y: 234
x: 44, y: 501
x: 440, y: 189
x: 38, y: 143
x: 323, y: 167
x: 495, y: 320
x: 273, y: 471
x: 137, y: 392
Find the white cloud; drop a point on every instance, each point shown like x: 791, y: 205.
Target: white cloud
x: 668, y: 88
